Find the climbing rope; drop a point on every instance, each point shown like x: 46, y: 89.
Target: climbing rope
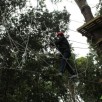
x: 13, y: 43
x: 66, y: 60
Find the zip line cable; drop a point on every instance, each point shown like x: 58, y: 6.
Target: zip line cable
x: 76, y: 21
x: 72, y: 30
x: 26, y: 48
x: 78, y: 42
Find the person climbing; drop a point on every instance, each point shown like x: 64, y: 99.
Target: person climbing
x: 63, y: 47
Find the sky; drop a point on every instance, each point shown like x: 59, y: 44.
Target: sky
x: 78, y: 41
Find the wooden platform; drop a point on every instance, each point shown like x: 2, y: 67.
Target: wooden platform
x: 91, y: 26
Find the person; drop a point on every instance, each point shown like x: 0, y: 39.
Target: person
x: 63, y: 47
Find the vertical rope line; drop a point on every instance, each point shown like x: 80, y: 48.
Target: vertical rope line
x: 13, y: 48
x: 86, y: 65
x: 10, y: 39
x: 76, y: 70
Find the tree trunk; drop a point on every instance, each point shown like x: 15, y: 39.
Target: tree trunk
x: 96, y: 35
x: 85, y: 9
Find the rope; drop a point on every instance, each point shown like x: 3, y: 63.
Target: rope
x: 23, y: 70
x: 78, y: 42
x: 34, y: 71
x: 12, y: 42
x: 25, y: 52
x: 17, y: 69
x: 80, y: 48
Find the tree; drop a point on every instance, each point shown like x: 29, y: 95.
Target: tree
x: 85, y: 9
x: 27, y: 71
x: 89, y: 75
x: 89, y: 67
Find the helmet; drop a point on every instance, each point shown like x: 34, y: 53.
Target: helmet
x: 59, y: 33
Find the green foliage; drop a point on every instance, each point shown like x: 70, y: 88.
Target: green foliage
x: 99, y: 8
x: 27, y: 72
x: 89, y: 74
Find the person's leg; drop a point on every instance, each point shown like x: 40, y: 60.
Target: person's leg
x: 66, y: 64
x: 63, y: 65
x: 63, y: 62
x: 70, y: 68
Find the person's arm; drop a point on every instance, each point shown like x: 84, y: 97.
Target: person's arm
x: 57, y: 41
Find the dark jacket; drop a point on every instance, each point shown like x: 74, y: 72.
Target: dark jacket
x: 63, y: 45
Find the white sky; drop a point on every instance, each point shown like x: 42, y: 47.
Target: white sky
x: 77, y: 20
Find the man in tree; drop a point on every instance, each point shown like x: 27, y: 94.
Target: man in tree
x: 63, y: 47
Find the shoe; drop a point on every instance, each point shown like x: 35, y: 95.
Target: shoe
x: 73, y: 76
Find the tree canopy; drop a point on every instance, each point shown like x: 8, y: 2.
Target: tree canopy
x: 27, y: 67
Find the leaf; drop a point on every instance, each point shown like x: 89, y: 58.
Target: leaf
x: 101, y: 98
